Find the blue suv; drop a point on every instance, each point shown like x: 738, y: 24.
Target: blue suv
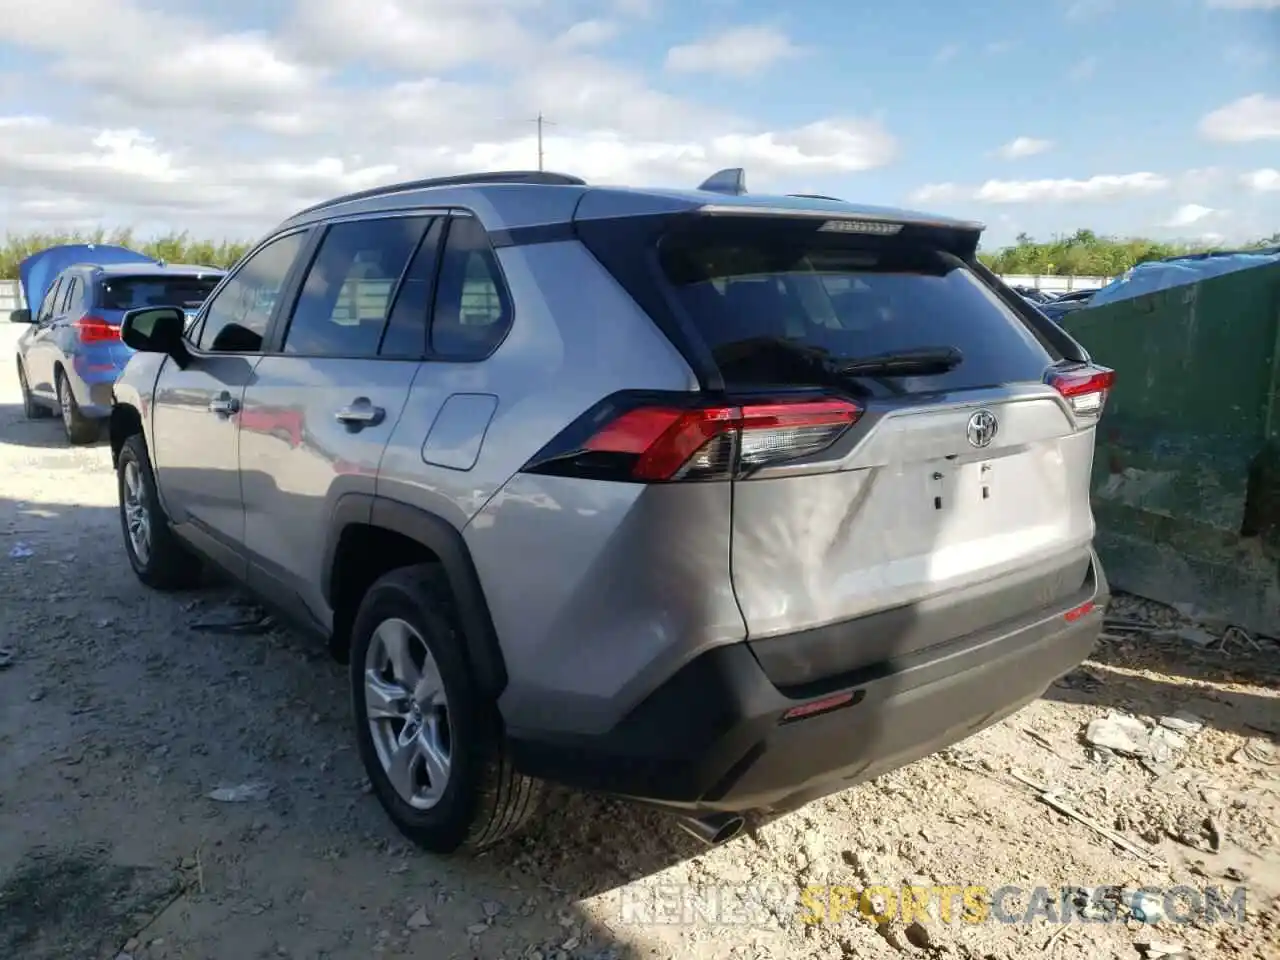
x: 72, y: 355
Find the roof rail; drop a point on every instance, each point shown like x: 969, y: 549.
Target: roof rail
x: 497, y: 176
x: 732, y: 181
x: 814, y: 196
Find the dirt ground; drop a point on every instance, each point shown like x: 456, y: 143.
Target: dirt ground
x: 119, y: 716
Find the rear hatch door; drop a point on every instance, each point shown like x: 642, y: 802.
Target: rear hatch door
x: 958, y: 500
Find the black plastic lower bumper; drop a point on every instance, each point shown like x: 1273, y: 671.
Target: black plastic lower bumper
x: 713, y: 737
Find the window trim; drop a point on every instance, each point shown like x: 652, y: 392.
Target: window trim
x: 278, y: 331
x: 66, y: 297
x: 195, y: 330
x: 273, y: 342
x: 51, y: 298
x: 442, y: 222
x: 504, y: 293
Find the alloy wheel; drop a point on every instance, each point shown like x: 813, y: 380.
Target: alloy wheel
x: 408, y: 713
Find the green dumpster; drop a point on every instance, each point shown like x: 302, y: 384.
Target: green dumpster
x: 1186, y: 483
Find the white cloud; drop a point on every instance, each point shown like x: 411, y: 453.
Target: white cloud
x: 1262, y: 181
x: 738, y: 52
x: 404, y: 35
x: 1245, y: 4
x: 1255, y: 117
x: 1189, y: 213
x: 1101, y: 187
x: 226, y: 132
x: 1020, y: 147
x: 242, y: 73
x: 588, y: 33
x: 49, y: 169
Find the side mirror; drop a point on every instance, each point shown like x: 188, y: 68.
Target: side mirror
x: 156, y: 330
x: 20, y: 316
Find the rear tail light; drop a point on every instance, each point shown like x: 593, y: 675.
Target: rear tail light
x: 647, y: 440
x: 1086, y: 389
x: 95, y: 330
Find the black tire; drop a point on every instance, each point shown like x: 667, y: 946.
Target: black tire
x: 32, y: 409
x: 485, y: 800
x: 168, y: 565
x: 80, y: 429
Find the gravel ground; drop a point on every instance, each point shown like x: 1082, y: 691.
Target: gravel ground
x: 118, y: 718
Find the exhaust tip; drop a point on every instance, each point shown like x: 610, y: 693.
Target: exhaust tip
x: 714, y: 829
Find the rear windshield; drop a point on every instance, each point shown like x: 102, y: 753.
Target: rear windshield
x: 767, y: 302
x: 130, y: 293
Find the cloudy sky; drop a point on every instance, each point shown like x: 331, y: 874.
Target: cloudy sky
x: 1153, y: 117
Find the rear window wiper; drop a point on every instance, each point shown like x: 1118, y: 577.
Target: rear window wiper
x: 920, y: 362
x: 788, y: 360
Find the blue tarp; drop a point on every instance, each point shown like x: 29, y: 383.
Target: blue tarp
x: 1163, y: 274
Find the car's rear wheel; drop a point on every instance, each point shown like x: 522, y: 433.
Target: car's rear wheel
x: 429, y: 740
x: 157, y: 556
x: 31, y: 408
x: 80, y: 429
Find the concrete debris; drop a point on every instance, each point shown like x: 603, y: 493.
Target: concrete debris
x: 1130, y: 737
x: 1182, y: 722
x: 241, y: 793
x: 419, y: 919
x: 1156, y: 950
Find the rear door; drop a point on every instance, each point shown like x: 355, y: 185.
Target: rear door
x: 326, y: 398
x: 42, y: 348
x: 958, y: 499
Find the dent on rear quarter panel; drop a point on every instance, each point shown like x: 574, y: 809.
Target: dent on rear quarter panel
x: 601, y: 591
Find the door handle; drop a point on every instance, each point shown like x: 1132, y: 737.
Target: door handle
x: 360, y: 413
x: 224, y: 406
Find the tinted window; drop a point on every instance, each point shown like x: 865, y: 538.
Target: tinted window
x: 237, y: 317
x: 406, y: 334
x: 472, y: 310
x: 343, y: 306
x: 758, y: 297
x: 131, y: 293
x: 50, y: 298
x: 71, y: 299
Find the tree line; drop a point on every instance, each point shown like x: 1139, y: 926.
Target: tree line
x: 1082, y: 254
x: 170, y: 247
x: 1086, y: 254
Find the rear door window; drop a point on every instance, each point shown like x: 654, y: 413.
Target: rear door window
x: 71, y: 299
x: 50, y: 301
x: 345, y: 300
x: 472, y: 307
x: 771, y: 305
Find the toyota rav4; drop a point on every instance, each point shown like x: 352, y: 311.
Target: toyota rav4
x: 713, y: 501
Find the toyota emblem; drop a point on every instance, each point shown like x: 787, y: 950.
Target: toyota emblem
x: 982, y: 428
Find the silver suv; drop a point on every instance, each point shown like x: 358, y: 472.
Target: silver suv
x: 713, y: 501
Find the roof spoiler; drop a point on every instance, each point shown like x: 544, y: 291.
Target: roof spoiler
x: 732, y: 181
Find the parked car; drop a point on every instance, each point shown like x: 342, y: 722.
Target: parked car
x: 1076, y: 296
x: 713, y: 501
x: 1033, y: 294
x: 72, y: 354
x: 1058, y: 308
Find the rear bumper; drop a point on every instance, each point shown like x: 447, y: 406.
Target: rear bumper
x: 92, y: 388
x: 712, y: 737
